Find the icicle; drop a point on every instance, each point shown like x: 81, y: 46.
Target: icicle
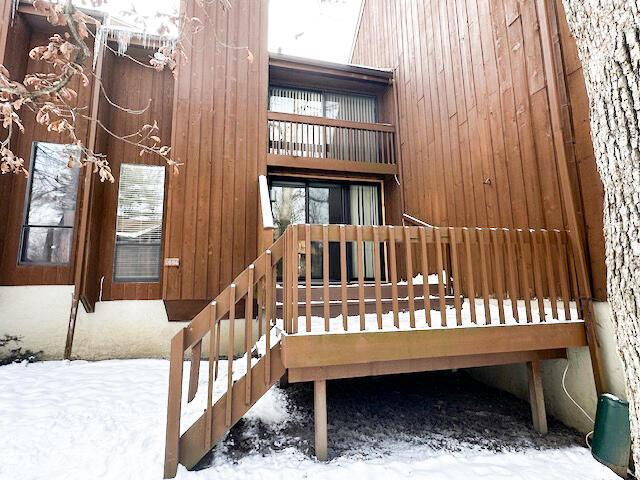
x: 99, y: 44
x: 124, y: 37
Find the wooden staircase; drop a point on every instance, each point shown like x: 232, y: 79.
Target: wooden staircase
x: 256, y: 286
x: 207, y: 431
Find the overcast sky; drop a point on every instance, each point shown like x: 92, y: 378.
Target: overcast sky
x: 320, y: 29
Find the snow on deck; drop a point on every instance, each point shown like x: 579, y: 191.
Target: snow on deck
x: 106, y: 420
x: 371, y: 319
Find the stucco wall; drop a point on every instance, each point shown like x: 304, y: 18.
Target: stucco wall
x: 117, y: 329
x: 579, y: 380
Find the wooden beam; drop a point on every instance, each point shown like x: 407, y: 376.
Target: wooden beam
x: 319, y: 67
x: 317, y: 350
x: 329, y: 122
x: 194, y: 370
x: 330, y: 164
x: 320, y: 418
x: 555, y: 108
x: 5, y: 26
x: 334, y: 372
x: 536, y: 397
x: 80, y: 262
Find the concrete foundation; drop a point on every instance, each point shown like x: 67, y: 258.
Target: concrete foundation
x: 117, y: 329
x: 579, y: 379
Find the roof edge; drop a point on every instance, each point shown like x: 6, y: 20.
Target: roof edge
x: 381, y: 73
x: 357, y: 29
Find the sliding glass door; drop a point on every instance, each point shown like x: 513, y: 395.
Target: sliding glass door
x: 317, y: 202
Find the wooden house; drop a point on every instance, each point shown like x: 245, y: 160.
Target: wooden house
x: 438, y: 208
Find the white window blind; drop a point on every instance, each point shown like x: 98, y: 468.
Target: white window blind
x: 139, y: 223
x: 295, y: 100
x: 354, y: 108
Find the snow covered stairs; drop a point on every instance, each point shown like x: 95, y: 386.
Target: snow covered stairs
x: 255, y: 288
x: 214, y: 423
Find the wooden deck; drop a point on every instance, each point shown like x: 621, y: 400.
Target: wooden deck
x: 439, y: 299
x: 304, y: 353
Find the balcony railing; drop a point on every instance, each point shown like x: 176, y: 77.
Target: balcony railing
x: 318, y: 138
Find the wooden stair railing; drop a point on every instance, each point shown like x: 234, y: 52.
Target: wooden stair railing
x: 218, y: 418
x: 320, y: 137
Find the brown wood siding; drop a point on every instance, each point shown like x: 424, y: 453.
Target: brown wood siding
x: 474, y: 122
x: 219, y: 132
x: 15, y: 60
x: 133, y: 86
x: 91, y: 274
x: 11, y: 273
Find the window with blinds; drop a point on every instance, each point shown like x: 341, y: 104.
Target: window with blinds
x: 139, y: 223
x: 296, y: 100
x: 342, y: 106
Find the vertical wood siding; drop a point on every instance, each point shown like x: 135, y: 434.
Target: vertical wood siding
x: 131, y: 85
x: 20, y: 42
x: 474, y: 123
x: 15, y: 60
x: 219, y: 133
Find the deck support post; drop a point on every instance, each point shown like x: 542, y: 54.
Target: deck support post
x: 536, y: 397
x: 320, y: 418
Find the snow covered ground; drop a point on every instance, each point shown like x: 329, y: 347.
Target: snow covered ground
x: 106, y: 420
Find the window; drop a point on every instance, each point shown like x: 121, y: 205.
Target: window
x: 47, y: 230
x: 295, y: 100
x: 139, y: 223
x: 315, y: 103
x: 316, y: 202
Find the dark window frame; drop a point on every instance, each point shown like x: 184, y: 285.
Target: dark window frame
x: 344, y: 186
x: 25, y: 226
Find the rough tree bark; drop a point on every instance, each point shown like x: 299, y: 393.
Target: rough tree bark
x: 607, y: 33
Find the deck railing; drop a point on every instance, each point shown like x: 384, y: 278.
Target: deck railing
x: 494, y: 276
x: 320, y: 137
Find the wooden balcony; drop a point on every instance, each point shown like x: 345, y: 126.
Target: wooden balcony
x: 326, y: 144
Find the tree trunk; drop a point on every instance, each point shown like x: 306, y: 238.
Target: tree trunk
x: 607, y: 33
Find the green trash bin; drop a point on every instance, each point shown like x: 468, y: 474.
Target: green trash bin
x: 611, y: 434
